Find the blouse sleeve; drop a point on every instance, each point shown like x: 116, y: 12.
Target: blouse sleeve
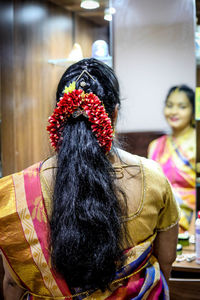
x: 169, y: 215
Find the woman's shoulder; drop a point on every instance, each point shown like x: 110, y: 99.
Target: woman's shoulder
x: 127, y: 157
x: 192, y: 136
x: 151, y: 165
x: 148, y: 165
x: 150, y: 197
x: 153, y: 175
x: 156, y: 144
x: 6, y: 185
x: 150, y: 175
x: 161, y: 139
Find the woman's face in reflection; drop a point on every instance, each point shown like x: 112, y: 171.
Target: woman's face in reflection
x: 178, y: 111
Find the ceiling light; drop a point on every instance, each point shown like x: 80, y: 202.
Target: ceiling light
x: 90, y: 4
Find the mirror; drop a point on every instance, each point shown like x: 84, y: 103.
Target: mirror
x: 154, y: 50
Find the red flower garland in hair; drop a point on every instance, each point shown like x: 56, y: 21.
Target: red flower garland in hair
x: 78, y: 102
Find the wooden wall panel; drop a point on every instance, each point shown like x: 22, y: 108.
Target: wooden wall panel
x: 36, y: 41
x: 38, y: 31
x: 7, y: 82
x: 87, y: 32
x: 83, y: 35
x: 35, y: 33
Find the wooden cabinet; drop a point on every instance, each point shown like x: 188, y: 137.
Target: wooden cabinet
x: 184, y: 283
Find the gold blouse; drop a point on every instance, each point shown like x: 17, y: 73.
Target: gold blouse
x: 151, y: 205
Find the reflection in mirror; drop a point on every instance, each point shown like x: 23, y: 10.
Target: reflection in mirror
x: 154, y: 51
x: 175, y: 152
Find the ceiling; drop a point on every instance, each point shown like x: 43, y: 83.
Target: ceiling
x: 94, y: 15
x: 97, y: 15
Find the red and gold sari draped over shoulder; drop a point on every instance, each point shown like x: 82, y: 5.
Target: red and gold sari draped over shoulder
x: 24, y: 238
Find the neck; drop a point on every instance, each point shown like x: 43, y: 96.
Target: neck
x: 181, y: 132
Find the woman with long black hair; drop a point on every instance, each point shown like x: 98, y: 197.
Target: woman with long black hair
x: 92, y: 222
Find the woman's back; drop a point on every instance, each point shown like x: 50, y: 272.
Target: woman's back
x: 146, y: 188
x: 140, y: 179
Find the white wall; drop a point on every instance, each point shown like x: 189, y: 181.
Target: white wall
x: 153, y: 50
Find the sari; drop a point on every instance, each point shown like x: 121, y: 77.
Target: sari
x: 176, y: 156
x: 24, y: 235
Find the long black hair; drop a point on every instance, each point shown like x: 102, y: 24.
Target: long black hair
x: 86, y: 225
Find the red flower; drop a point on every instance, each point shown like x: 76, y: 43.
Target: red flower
x: 91, y: 104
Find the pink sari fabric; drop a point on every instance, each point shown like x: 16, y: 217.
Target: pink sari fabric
x: 177, y: 159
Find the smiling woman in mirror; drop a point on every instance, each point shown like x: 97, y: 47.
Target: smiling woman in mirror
x: 176, y: 152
